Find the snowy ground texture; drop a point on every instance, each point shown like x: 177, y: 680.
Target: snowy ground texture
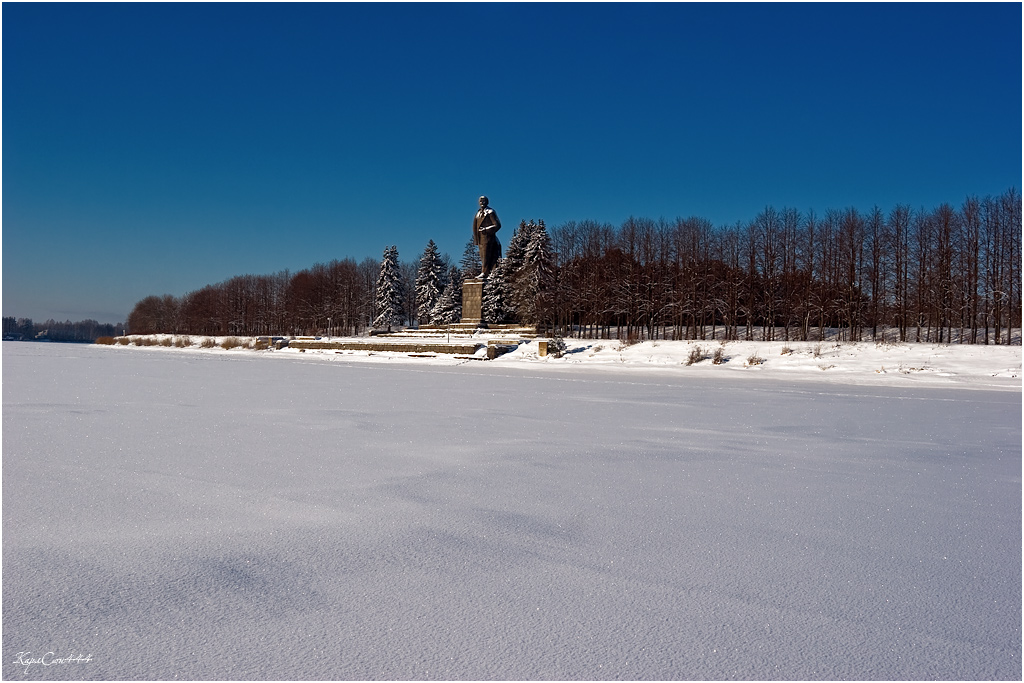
x: 613, y: 514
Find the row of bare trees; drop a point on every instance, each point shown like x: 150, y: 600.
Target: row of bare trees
x: 947, y: 274
x: 336, y: 297
x: 943, y: 275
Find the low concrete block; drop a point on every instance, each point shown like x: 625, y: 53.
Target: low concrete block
x: 385, y: 346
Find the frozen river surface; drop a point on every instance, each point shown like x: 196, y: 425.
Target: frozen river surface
x: 168, y: 515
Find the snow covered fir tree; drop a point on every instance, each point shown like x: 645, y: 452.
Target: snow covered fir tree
x: 430, y: 283
x: 448, y: 309
x: 389, y: 298
x: 528, y: 273
x: 515, y: 253
x: 497, y: 300
x: 533, y: 282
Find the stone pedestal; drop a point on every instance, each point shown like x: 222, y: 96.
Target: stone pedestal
x: 472, y: 302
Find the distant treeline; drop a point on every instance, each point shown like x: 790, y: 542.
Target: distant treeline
x: 51, y: 330
x: 939, y: 275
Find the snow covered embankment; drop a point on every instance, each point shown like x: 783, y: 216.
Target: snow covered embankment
x: 964, y: 365
x: 844, y: 362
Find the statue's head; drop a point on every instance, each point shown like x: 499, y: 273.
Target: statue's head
x: 484, y: 201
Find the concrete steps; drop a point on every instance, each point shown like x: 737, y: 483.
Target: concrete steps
x: 458, y: 339
x: 421, y: 347
x: 464, y: 330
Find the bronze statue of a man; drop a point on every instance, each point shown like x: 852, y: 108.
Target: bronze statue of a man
x: 485, y: 225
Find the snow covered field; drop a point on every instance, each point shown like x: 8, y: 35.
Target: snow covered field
x: 275, y: 515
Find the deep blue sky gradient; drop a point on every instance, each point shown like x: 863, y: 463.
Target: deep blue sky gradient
x: 153, y: 149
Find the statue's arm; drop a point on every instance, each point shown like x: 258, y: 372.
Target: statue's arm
x: 488, y: 229
x: 495, y: 225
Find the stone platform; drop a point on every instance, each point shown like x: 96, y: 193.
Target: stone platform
x: 464, y: 329
x: 411, y: 345
x: 465, y: 338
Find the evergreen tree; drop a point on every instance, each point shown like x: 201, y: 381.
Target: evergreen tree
x: 539, y: 261
x: 430, y: 282
x: 533, y: 283
x: 516, y: 251
x: 497, y: 299
x: 470, y: 263
x: 389, y: 295
x: 26, y: 328
x: 449, y: 306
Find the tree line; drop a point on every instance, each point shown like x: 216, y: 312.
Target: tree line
x: 940, y: 275
x: 946, y: 274
x: 26, y: 329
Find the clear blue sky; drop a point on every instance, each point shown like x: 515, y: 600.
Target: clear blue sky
x: 157, y: 148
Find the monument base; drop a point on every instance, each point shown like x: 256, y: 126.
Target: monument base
x: 472, y: 303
